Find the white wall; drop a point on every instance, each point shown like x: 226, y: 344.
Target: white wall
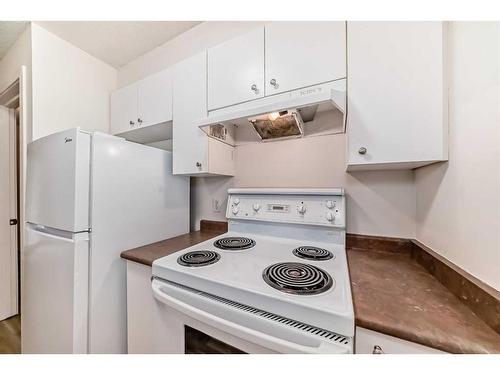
x: 379, y: 203
x: 19, y: 54
x: 458, y: 203
x: 187, y: 44
x: 70, y: 87
x: 10, y: 68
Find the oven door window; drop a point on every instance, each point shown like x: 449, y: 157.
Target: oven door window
x: 196, y: 342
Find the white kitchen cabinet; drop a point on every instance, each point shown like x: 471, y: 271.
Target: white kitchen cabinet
x: 154, y: 99
x: 124, y: 109
x: 194, y: 152
x: 140, y: 305
x: 301, y: 54
x: 372, y: 342
x: 397, y: 94
x: 146, y: 103
x: 280, y: 57
x: 236, y: 70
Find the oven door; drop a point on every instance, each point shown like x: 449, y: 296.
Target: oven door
x: 190, y: 321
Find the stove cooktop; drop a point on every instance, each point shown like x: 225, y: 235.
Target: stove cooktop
x: 303, y: 281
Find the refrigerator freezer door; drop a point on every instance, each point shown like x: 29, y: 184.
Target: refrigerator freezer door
x: 58, y: 173
x: 135, y: 201
x: 54, y: 291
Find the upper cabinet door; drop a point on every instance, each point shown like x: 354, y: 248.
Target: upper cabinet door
x: 236, y: 70
x: 300, y: 54
x: 190, y: 146
x: 397, y: 94
x: 124, y: 109
x: 155, y: 99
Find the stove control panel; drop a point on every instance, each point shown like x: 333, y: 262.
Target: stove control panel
x: 293, y: 207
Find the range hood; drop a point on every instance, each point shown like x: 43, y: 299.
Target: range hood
x: 310, y: 111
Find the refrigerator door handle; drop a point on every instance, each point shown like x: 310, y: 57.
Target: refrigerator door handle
x: 53, y: 232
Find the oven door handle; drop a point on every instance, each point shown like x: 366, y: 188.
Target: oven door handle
x: 257, y: 337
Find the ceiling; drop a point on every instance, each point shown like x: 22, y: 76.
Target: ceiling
x: 116, y: 42
x: 9, y: 32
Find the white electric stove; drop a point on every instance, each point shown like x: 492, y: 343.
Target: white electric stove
x: 277, y: 281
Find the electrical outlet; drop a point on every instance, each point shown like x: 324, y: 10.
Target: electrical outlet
x: 215, y: 205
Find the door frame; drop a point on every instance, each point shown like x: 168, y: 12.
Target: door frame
x: 19, y: 140
x: 9, y: 291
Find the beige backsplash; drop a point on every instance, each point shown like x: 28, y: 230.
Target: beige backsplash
x: 378, y: 203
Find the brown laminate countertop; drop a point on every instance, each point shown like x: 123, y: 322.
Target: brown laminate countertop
x: 149, y: 253
x: 396, y: 296
x: 392, y: 294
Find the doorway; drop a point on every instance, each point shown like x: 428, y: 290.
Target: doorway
x: 10, y: 205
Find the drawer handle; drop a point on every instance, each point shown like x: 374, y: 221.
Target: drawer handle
x: 198, y: 164
x: 377, y: 350
x: 254, y: 88
x: 362, y: 150
x: 139, y: 120
x: 274, y: 83
x: 131, y: 123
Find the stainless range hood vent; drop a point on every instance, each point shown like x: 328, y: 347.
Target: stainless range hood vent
x: 311, y: 111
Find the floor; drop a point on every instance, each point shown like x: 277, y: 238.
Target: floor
x: 10, y: 335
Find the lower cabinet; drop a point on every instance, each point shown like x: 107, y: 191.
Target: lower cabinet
x: 140, y: 308
x: 371, y: 342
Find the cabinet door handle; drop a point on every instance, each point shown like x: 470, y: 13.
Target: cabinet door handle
x: 198, y: 164
x: 131, y: 123
x: 377, y: 350
x: 362, y: 150
x: 254, y: 88
x: 274, y: 83
x: 139, y: 120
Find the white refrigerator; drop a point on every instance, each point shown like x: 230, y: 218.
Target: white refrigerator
x: 90, y: 196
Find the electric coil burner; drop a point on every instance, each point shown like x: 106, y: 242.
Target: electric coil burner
x: 234, y: 243
x: 198, y: 258
x: 297, y: 278
x: 312, y: 253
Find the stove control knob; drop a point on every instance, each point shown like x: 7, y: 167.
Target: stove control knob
x: 301, y: 209
x: 330, y: 216
x: 235, y: 210
x: 256, y: 207
x: 330, y: 204
x: 236, y: 201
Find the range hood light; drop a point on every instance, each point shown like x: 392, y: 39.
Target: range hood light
x: 273, y: 116
x: 286, y: 124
